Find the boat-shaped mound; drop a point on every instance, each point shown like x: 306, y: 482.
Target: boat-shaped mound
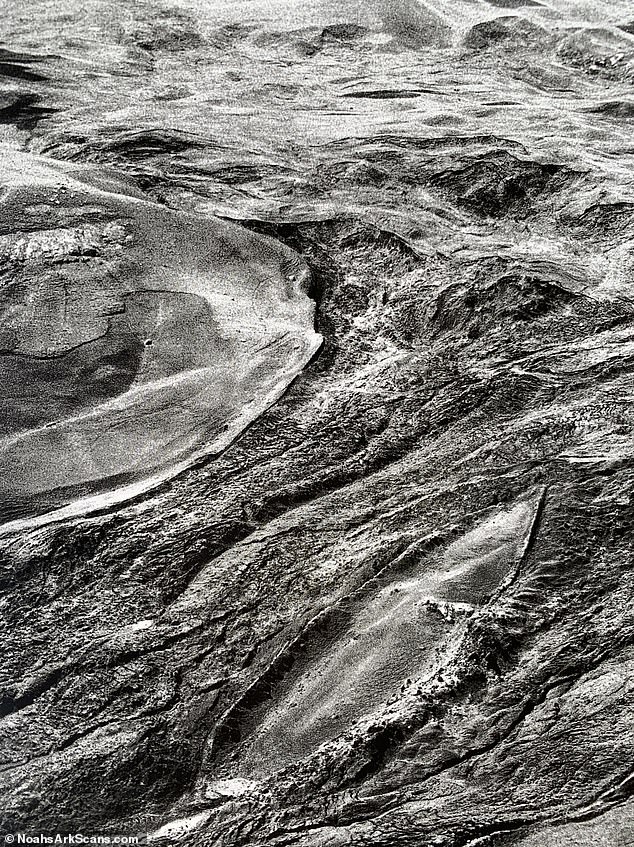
x: 133, y: 338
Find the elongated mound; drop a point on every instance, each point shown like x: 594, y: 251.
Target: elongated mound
x: 133, y: 338
x: 396, y: 611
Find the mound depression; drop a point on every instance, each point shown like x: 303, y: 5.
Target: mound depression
x: 134, y: 339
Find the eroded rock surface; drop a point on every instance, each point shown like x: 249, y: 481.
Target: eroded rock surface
x: 397, y: 609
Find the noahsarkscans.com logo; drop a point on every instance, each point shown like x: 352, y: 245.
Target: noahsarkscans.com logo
x: 77, y: 838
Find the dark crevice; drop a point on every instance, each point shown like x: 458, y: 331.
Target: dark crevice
x: 24, y: 112
x: 9, y: 704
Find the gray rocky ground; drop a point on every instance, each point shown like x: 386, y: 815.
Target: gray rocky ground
x: 394, y: 605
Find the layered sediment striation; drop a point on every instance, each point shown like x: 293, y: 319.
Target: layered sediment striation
x: 395, y: 608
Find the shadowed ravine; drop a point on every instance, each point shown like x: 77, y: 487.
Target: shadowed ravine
x: 316, y: 349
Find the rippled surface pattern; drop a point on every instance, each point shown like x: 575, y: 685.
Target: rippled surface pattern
x: 390, y: 604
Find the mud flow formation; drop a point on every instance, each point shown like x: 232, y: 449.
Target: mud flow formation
x: 316, y: 446
x: 134, y: 338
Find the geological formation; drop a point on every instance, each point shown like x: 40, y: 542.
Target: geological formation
x: 316, y: 336
x: 133, y: 336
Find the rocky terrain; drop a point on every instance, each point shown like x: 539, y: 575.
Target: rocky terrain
x: 317, y: 348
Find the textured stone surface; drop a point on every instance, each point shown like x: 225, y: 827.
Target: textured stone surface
x: 397, y: 610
